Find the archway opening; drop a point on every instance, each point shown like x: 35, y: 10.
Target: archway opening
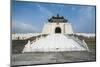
x: 57, y: 30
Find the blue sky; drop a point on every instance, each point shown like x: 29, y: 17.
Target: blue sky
x: 31, y: 16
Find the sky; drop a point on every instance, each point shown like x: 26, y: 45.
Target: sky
x: 29, y: 17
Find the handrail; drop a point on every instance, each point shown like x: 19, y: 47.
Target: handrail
x: 82, y: 43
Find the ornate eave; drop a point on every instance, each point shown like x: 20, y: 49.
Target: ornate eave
x: 57, y: 19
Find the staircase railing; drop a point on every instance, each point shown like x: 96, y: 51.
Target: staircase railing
x: 82, y: 43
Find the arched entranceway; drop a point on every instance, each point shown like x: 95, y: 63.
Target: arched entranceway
x: 57, y: 30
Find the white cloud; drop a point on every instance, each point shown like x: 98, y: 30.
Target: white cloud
x: 21, y: 27
x: 86, y: 19
x: 44, y: 11
x: 86, y: 12
x: 73, y: 8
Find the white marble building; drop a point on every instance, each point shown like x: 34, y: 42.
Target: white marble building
x: 57, y: 39
x: 57, y: 25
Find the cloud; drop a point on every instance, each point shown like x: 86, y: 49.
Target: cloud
x: 20, y: 27
x: 44, y: 11
x: 85, y: 22
x: 86, y: 12
x: 73, y: 8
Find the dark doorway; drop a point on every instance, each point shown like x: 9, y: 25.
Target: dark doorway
x: 58, y: 30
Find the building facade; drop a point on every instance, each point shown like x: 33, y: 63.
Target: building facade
x: 57, y: 24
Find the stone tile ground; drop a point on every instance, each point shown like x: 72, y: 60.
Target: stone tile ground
x: 53, y: 57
